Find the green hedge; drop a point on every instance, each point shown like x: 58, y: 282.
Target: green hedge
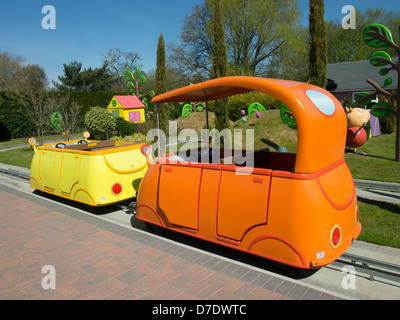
x: 16, y: 125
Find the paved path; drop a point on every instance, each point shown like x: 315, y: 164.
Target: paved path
x: 96, y: 259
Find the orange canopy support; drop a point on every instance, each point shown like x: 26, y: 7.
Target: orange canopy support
x: 321, y: 120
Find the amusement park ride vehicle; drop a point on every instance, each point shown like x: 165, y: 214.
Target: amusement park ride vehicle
x: 97, y: 173
x: 299, y: 209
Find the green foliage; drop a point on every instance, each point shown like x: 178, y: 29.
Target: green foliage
x: 241, y: 102
x: 75, y: 78
x: 161, y: 83
x: 130, y: 138
x: 100, y: 122
x: 124, y: 127
x: 18, y: 124
x: 348, y: 45
x: 5, y: 134
x: 387, y: 123
x: 219, y: 63
x: 318, y: 45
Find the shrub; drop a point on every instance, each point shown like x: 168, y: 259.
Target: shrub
x: 5, y: 134
x: 131, y: 138
x: 100, y: 122
x: 241, y: 102
x: 125, y: 128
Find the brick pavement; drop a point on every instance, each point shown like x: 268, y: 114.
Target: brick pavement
x: 96, y: 259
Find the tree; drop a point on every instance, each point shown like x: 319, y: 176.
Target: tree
x: 318, y: 44
x: 118, y: 61
x: 219, y: 67
x: 68, y: 111
x: 255, y: 30
x: 100, y: 122
x: 38, y: 108
x: 9, y: 66
x: 75, y: 78
x: 347, y: 45
x: 379, y: 36
x: 31, y: 77
x: 161, y: 82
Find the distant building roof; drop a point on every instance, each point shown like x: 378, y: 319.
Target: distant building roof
x: 353, y: 76
x: 130, y: 102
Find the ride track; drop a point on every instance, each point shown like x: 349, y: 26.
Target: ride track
x: 374, y: 270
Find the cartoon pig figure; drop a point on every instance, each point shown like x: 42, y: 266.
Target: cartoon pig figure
x: 357, y: 118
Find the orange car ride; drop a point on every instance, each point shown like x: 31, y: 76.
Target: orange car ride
x: 299, y: 209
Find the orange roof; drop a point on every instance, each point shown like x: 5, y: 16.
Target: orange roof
x: 130, y: 102
x: 321, y: 120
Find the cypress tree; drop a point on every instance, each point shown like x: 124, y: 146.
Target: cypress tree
x: 161, y: 83
x: 318, y: 45
x: 218, y: 69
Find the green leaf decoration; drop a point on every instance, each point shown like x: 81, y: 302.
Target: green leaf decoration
x: 388, y: 82
x: 377, y: 36
x: 142, y: 80
x: 138, y: 72
x: 254, y: 107
x: 384, y: 71
x: 57, y: 121
x: 361, y: 98
x: 128, y: 75
x: 378, y: 59
x: 288, y: 118
x: 186, y: 110
x: 381, y: 109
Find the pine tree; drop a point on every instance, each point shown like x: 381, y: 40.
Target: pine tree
x: 318, y: 45
x: 219, y: 66
x: 161, y: 82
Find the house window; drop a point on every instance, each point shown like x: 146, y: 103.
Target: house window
x: 135, y: 116
x: 115, y: 113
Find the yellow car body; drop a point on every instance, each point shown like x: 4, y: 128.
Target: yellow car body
x: 97, y: 173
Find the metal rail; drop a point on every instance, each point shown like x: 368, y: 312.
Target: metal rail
x: 15, y: 174
x: 374, y: 269
x: 388, y: 186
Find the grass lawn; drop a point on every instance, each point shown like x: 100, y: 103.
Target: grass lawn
x: 377, y: 161
x: 20, y: 157
x: 381, y: 222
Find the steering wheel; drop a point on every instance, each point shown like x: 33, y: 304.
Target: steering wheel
x: 82, y: 142
x: 60, y: 145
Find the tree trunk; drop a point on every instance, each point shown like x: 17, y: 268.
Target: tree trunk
x: 398, y: 131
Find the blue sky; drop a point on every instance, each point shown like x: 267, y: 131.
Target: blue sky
x: 86, y: 29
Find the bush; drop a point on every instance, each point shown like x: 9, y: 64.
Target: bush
x: 387, y: 124
x: 130, y: 138
x: 100, y: 122
x: 5, y: 134
x: 241, y: 102
x: 125, y: 128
